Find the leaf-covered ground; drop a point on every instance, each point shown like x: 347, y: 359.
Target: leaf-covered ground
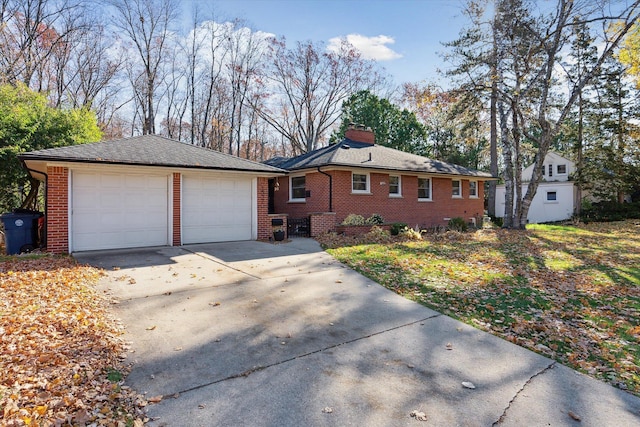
x: 570, y: 293
x: 60, y: 351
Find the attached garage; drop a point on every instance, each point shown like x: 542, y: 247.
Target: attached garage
x: 217, y: 209
x: 110, y: 210
x: 149, y: 191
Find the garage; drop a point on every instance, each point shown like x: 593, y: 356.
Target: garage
x: 147, y: 191
x: 110, y: 210
x: 217, y: 209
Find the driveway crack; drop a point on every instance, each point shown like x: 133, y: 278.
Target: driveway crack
x: 504, y: 413
x: 248, y: 372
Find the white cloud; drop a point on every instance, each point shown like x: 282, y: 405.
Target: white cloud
x: 370, y: 47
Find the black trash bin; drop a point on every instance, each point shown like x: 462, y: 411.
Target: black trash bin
x: 20, y: 230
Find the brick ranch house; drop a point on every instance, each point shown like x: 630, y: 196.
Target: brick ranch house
x: 357, y: 176
x: 149, y: 191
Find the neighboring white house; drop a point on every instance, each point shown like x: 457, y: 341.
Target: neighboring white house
x: 555, y: 198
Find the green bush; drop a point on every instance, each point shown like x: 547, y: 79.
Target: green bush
x: 354, y: 219
x: 457, y: 224
x: 375, y: 219
x: 609, y: 211
x: 497, y: 221
x: 397, y: 227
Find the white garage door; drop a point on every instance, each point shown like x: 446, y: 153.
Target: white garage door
x: 216, y: 209
x: 112, y: 211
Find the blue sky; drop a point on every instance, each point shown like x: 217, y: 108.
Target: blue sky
x: 403, y: 35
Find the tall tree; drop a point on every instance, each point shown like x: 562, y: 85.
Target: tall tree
x: 28, y: 123
x: 392, y: 126
x: 147, y: 25
x: 309, y: 85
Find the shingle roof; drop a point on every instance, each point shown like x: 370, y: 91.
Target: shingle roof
x: 149, y: 150
x: 362, y: 155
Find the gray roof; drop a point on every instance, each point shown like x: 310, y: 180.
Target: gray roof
x: 352, y: 154
x: 149, y: 150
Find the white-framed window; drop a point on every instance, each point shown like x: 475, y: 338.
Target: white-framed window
x: 473, y: 189
x: 550, y: 171
x: 360, y: 182
x: 561, y: 169
x: 552, y: 196
x: 424, y: 188
x: 456, y: 188
x: 297, y: 189
x: 395, y: 186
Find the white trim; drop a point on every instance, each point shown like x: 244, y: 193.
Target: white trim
x: 297, y: 200
x: 459, y: 195
x: 473, y: 196
x: 399, y: 193
x: 367, y: 189
x: 430, y: 198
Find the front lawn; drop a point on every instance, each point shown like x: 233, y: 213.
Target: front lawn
x: 570, y: 293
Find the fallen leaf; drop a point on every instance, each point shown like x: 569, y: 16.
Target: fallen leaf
x: 418, y: 415
x: 151, y: 328
x: 155, y: 399
x: 468, y: 384
x: 574, y: 416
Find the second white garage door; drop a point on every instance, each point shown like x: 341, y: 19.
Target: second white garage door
x: 217, y: 209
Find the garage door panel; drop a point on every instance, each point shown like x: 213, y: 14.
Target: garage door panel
x: 217, y: 209
x: 118, y: 211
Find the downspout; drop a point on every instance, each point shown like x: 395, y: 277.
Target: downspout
x: 330, y: 189
x: 46, y: 199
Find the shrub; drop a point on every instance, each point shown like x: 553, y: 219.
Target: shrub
x: 353, y: 219
x: 410, y: 234
x: 497, y: 221
x: 610, y: 211
x: 397, y: 227
x: 377, y: 234
x: 375, y: 219
x: 457, y: 224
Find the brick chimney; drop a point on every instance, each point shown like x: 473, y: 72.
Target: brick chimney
x: 360, y: 133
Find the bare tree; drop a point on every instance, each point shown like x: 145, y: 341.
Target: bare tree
x: 146, y: 24
x: 308, y: 85
x: 32, y: 33
x: 245, y: 50
x: 529, y: 79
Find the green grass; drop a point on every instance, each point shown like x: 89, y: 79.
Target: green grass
x: 570, y: 293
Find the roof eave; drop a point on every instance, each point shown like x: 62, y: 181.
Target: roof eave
x: 26, y: 157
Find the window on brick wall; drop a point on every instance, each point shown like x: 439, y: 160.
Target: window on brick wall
x: 360, y: 182
x: 456, y: 188
x: 424, y: 188
x: 297, y: 188
x: 395, y: 187
x: 473, y: 189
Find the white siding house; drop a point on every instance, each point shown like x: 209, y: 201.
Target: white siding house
x: 555, y: 198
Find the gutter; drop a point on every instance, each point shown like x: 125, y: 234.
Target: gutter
x: 330, y: 188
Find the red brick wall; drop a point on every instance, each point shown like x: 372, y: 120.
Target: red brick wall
x: 57, y: 215
x: 177, y: 202
x: 405, y: 209
x: 322, y: 223
x: 264, y: 220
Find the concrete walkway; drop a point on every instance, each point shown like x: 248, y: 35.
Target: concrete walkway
x: 260, y: 334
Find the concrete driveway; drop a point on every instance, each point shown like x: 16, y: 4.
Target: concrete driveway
x: 260, y: 334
